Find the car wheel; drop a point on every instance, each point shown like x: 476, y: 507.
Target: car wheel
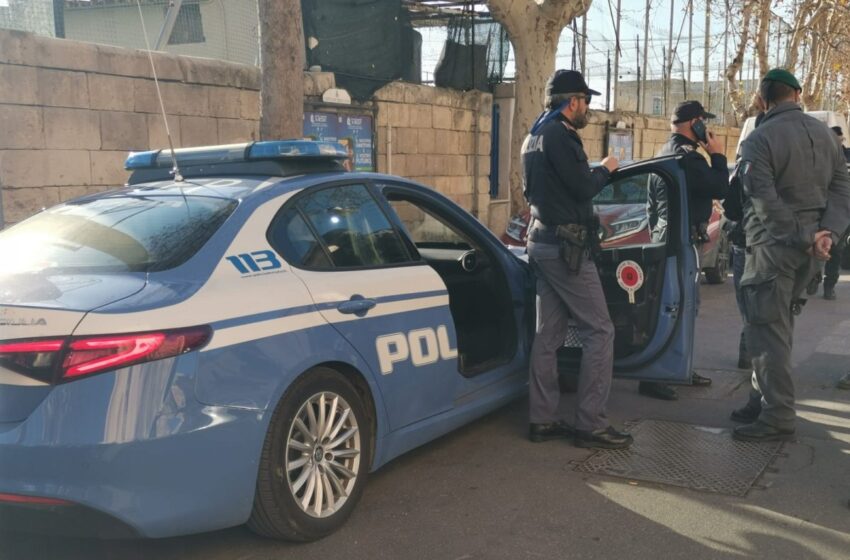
x: 718, y: 273
x: 315, y: 459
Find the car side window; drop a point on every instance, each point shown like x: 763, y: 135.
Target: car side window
x: 425, y: 229
x: 293, y: 239
x: 632, y: 211
x: 338, y: 227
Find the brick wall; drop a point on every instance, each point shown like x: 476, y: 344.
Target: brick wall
x: 437, y: 137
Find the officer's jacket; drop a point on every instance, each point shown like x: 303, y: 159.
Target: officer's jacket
x: 705, y: 184
x: 796, y: 180
x: 558, y: 182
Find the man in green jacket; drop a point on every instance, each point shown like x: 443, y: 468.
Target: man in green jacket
x: 798, y: 189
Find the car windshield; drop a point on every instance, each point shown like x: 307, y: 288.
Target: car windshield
x: 114, y: 234
x: 629, y: 191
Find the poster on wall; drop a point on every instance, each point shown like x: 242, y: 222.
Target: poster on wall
x: 621, y: 144
x: 354, y: 132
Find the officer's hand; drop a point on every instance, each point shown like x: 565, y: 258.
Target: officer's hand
x: 822, y: 245
x: 714, y: 145
x: 611, y: 163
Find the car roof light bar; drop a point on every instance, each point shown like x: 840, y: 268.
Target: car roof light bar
x: 232, y: 153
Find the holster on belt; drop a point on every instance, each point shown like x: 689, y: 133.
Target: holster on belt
x: 699, y: 233
x: 573, y: 239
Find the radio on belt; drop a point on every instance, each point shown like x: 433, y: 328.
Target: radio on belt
x: 630, y: 278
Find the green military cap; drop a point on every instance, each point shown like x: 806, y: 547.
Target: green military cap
x: 783, y: 76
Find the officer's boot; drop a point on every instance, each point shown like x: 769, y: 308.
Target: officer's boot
x: 828, y: 292
x: 744, y: 359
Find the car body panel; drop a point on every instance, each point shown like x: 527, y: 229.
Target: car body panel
x: 145, y: 443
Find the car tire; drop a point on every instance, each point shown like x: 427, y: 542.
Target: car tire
x: 718, y: 273
x: 319, y: 444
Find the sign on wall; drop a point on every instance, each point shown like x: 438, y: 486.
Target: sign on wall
x: 354, y: 132
x: 621, y: 144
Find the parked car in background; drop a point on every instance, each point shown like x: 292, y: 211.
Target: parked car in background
x: 623, y: 221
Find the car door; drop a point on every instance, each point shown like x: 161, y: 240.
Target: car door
x: 488, y: 288
x: 654, y: 332
x: 371, y: 286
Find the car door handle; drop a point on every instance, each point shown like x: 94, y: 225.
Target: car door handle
x: 357, y: 305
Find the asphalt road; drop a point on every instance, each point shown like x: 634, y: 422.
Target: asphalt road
x: 485, y: 492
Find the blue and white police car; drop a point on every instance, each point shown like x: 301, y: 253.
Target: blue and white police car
x: 245, y: 342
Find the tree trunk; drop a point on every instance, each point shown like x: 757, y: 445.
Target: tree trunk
x: 763, y: 27
x: 534, y: 27
x: 282, y: 64
x: 736, y: 96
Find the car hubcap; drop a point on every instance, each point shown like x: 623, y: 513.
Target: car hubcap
x: 323, y: 454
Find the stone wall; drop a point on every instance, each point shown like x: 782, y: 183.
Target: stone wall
x: 650, y: 133
x: 70, y: 112
x: 438, y: 137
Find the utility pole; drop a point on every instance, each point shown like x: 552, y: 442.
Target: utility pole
x: 669, y: 59
x: 645, y: 53
x: 616, y: 55
x: 690, y: 44
x: 608, y: 86
x: 725, y: 61
x: 583, y: 43
x: 664, y: 83
x: 637, y: 83
x: 705, y: 88
x: 723, y: 101
x: 575, y: 40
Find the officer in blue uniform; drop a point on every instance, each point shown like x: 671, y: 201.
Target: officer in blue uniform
x: 706, y: 183
x: 560, y: 187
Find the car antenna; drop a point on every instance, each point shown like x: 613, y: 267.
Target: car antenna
x: 174, y: 170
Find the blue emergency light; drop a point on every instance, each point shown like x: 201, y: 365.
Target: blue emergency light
x: 233, y: 153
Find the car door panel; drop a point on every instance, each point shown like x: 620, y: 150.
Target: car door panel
x: 653, y: 334
x: 393, y: 309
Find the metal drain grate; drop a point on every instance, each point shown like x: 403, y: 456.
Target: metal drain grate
x: 696, y: 457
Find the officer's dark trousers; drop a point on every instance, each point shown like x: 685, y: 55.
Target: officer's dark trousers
x: 832, y: 268
x: 561, y: 295
x: 773, y: 276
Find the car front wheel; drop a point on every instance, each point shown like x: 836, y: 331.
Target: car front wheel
x: 315, y: 459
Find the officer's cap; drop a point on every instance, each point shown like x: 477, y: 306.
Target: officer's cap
x: 688, y: 110
x: 782, y: 76
x: 568, y: 81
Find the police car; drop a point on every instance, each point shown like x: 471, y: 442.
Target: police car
x: 245, y: 341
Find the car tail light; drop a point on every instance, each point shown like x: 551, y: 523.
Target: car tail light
x: 33, y: 358
x: 84, y: 356
x: 92, y: 355
x: 33, y: 500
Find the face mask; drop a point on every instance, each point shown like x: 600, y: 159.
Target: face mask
x: 580, y: 120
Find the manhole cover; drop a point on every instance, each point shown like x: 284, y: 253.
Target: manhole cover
x: 697, y: 457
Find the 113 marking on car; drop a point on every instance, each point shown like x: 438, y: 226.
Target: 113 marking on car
x: 255, y: 261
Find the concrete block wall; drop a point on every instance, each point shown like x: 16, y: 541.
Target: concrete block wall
x: 70, y: 112
x: 650, y: 134
x: 437, y: 137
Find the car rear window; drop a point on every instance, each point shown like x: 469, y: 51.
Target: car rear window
x: 114, y: 234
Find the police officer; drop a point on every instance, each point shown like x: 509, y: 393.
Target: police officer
x: 706, y: 183
x: 831, y: 269
x: 559, y: 186
x: 798, y: 202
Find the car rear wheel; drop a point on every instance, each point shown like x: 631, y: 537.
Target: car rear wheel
x: 315, y: 459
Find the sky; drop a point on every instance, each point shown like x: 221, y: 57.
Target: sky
x: 601, y: 40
